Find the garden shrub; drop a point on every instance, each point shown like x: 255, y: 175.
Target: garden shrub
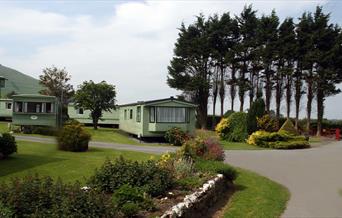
x: 216, y: 167
x: 183, y: 167
x: 228, y: 113
x: 188, y: 183
x: 288, y: 127
x: 175, y: 136
x: 209, y: 149
x: 34, y: 196
x: 129, y: 200
x: 267, y: 123
x: 5, y: 212
x: 277, y: 140
x: 73, y: 137
x: 293, y: 144
x: 8, y: 145
x: 148, y: 175
x: 233, y: 128
x: 256, y: 110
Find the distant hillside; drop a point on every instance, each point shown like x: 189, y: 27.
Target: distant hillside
x: 18, y: 82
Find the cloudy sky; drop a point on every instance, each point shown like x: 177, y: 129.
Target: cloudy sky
x: 126, y: 43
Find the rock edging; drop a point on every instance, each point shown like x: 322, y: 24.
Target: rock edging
x: 198, y: 202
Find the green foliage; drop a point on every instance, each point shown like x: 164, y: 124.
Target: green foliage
x: 228, y: 113
x: 5, y: 212
x: 183, y: 167
x: 129, y: 200
x: 34, y: 196
x: 56, y: 83
x: 233, y: 128
x: 148, y: 175
x: 216, y: 167
x: 8, y: 145
x: 206, y: 148
x: 73, y: 137
x: 188, y: 183
x: 96, y: 97
x: 267, y: 123
x: 41, y: 130
x: 175, y: 136
x: 293, y: 144
x: 256, y: 110
x: 277, y: 140
x: 129, y: 209
x: 288, y: 127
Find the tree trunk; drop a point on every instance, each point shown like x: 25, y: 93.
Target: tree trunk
x: 288, y: 96
x: 222, y: 90
x: 320, y: 110
x: 95, y: 122
x: 214, y: 112
x: 268, y: 91
x: 232, y: 89
x: 309, y: 102
x: 203, y: 108
x: 251, y: 89
x: 278, y: 101
x: 298, y: 94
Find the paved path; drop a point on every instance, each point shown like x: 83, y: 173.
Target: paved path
x: 313, y: 176
x: 141, y: 148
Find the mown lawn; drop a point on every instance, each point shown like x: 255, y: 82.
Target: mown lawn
x: 256, y: 197
x: 45, y: 159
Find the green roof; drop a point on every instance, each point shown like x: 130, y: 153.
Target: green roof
x: 18, y: 82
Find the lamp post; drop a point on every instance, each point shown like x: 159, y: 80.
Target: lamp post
x: 2, y: 83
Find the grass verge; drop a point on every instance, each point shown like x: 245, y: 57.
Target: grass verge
x: 256, y: 197
x: 45, y: 159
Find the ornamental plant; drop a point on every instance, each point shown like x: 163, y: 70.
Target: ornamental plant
x: 267, y: 123
x: 208, y: 149
x: 73, y: 137
x: 175, y: 136
x: 233, y: 128
x: 8, y: 145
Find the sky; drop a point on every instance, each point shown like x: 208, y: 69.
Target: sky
x: 126, y: 43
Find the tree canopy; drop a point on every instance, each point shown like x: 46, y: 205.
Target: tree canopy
x: 96, y: 97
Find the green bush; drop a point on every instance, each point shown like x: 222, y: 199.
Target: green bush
x: 288, y: 127
x: 293, y: 144
x: 216, y: 167
x: 206, y: 148
x: 148, y: 175
x: 129, y: 200
x: 267, y: 123
x: 228, y: 113
x: 8, y: 145
x: 189, y: 183
x: 277, y: 140
x: 129, y: 209
x: 256, y: 110
x: 233, y: 128
x: 41, y: 130
x: 73, y: 137
x: 34, y: 196
x: 5, y: 212
x: 175, y: 136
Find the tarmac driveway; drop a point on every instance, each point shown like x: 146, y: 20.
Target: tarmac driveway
x: 313, y: 176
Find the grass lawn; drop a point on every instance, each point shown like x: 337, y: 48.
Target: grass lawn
x: 45, y: 159
x: 256, y: 197
x: 238, y: 146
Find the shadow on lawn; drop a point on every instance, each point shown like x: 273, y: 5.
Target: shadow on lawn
x: 21, y: 162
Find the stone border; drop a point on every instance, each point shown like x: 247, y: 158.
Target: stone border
x: 198, y: 203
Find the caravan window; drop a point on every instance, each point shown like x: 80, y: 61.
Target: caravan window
x: 49, y: 107
x: 18, y: 106
x: 152, y: 115
x: 8, y: 105
x: 138, y: 113
x: 172, y: 114
x: 34, y: 107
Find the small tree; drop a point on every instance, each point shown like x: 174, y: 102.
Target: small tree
x: 96, y: 97
x: 256, y: 110
x: 56, y: 83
